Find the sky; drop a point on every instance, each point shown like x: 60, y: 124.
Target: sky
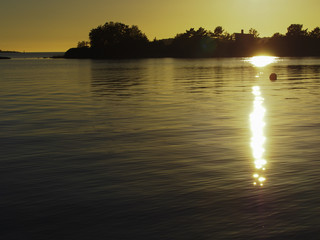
x: 56, y: 26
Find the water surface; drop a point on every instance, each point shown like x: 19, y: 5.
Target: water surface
x: 159, y: 149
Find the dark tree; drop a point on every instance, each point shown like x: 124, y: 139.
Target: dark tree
x: 295, y: 30
x: 83, y: 44
x: 117, y: 40
x: 254, y: 32
x: 315, y: 33
x: 194, y: 43
x: 277, y: 36
x: 218, y: 31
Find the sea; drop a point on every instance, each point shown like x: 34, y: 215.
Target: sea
x: 159, y: 149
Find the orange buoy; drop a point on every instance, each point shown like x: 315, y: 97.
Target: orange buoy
x: 273, y: 77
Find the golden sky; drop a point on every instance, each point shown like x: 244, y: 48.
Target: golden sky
x: 40, y: 25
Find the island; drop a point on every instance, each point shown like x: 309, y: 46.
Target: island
x: 4, y: 57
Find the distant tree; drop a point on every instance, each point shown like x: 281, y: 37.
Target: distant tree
x: 194, y: 34
x: 194, y: 43
x: 114, y: 33
x: 298, y: 41
x: 295, y: 30
x: 188, y: 34
x: 118, y: 40
x: 315, y: 33
x: 218, y: 31
x: 201, y: 32
x: 227, y: 36
x: 82, y: 44
x: 314, y: 42
x: 254, y: 32
x: 277, y: 35
x: 277, y: 45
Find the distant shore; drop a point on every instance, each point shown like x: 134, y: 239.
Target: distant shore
x: 115, y: 40
x: 9, y: 51
x: 30, y: 55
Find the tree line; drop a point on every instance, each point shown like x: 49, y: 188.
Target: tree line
x: 117, y: 40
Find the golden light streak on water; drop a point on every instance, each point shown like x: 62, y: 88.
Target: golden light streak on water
x: 257, y: 122
x: 258, y: 139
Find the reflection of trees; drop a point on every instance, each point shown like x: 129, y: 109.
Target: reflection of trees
x: 303, y: 72
x: 115, y: 78
x: 210, y: 76
x: 295, y: 70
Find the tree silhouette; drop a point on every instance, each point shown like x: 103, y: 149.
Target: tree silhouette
x: 194, y: 43
x: 254, y: 32
x: 218, y: 31
x: 277, y: 36
x: 83, y: 44
x: 315, y: 33
x: 117, y: 40
x: 295, y: 30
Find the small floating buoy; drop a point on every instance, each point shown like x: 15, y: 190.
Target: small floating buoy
x: 273, y: 77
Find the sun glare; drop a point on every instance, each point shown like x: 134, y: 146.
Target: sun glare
x: 262, y: 61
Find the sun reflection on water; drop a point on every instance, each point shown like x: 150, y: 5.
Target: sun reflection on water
x: 262, y: 61
x: 257, y: 138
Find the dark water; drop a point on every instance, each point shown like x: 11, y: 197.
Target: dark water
x: 159, y: 149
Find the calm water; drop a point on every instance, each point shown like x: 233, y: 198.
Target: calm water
x: 159, y: 149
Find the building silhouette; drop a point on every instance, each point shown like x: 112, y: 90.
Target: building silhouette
x: 245, y: 38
